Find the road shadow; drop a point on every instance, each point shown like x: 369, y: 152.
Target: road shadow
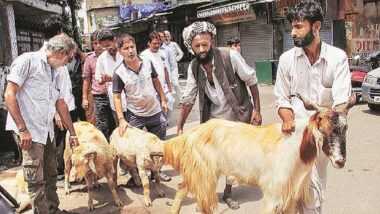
x: 102, y: 199
x: 368, y: 111
x: 169, y: 194
x: 244, y: 194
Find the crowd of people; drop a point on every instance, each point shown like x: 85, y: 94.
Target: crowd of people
x: 115, y: 86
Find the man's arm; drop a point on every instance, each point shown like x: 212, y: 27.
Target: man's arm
x: 341, y: 87
x: 14, y: 110
x: 118, y: 106
x: 287, y: 117
x: 188, y: 99
x: 282, y: 93
x: 160, y: 92
x: 248, y: 75
x: 167, y: 79
x: 256, y: 118
x: 185, y: 111
x: 64, y: 113
x: 100, y: 74
x: 85, y: 91
x: 117, y: 88
x: 86, y: 83
x: 179, y: 52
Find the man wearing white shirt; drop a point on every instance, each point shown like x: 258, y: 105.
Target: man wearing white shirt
x: 160, y: 61
x: 52, y: 27
x: 173, y: 65
x: 317, y: 71
x: 173, y: 45
x: 105, y: 66
x: 33, y: 95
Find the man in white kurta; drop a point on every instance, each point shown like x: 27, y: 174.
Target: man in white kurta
x: 317, y: 71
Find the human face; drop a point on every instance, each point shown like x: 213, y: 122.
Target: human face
x: 128, y: 51
x: 236, y: 46
x: 202, y: 45
x: 162, y: 37
x: 303, y: 33
x: 110, y: 46
x: 154, y: 45
x: 168, y: 37
x: 59, y: 59
x: 97, y: 47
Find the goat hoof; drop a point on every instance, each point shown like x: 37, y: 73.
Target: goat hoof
x: 161, y: 194
x: 119, y: 203
x: 90, y: 207
x: 148, y: 202
x: 234, y: 205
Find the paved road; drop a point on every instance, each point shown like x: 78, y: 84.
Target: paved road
x: 352, y: 190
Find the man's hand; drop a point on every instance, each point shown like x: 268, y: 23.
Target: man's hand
x: 106, y: 78
x: 122, y: 126
x: 58, y: 122
x: 164, y: 106
x: 179, y: 130
x: 287, y: 117
x: 85, y: 104
x: 288, y: 127
x: 25, y: 139
x: 256, y: 118
x: 73, y: 140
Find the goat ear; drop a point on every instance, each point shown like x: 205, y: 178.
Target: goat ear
x: 308, y: 104
x: 90, y: 157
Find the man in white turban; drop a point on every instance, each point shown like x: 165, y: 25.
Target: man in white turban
x: 221, y: 77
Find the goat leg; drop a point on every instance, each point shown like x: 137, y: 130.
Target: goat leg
x: 67, y: 176
x: 146, y: 187
x: 157, y: 185
x: 89, y: 181
x: 112, y: 186
x: 179, y: 196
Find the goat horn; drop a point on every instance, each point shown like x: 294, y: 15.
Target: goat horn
x: 308, y: 105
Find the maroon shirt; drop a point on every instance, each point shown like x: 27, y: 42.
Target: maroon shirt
x: 89, y: 72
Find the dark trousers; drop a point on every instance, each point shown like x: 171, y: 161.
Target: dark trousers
x: 155, y: 124
x: 103, y: 114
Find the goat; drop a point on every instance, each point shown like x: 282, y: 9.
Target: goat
x: 92, y: 159
x: 137, y: 148
x: 259, y: 156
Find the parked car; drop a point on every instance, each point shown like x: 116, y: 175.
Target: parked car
x: 358, y: 74
x: 371, y: 89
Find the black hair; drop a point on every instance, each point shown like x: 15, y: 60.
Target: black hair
x: 124, y: 38
x: 154, y: 35
x: 106, y: 34
x: 233, y: 40
x: 94, y: 35
x: 309, y: 10
x: 52, y: 26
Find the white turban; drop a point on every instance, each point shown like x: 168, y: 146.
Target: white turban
x: 194, y: 29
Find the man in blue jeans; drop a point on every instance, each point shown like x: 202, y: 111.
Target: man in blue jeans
x: 139, y: 80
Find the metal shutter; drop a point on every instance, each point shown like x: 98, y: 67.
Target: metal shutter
x: 256, y: 41
x: 225, y: 32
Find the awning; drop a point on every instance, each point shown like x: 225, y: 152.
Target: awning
x: 224, y: 9
x: 219, y: 8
